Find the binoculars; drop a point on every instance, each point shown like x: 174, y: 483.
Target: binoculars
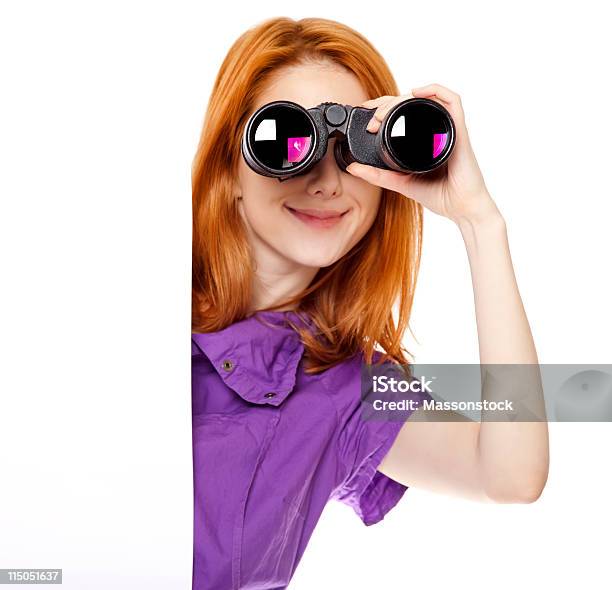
x: 282, y: 139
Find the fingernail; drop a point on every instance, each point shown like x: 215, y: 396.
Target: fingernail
x: 371, y: 125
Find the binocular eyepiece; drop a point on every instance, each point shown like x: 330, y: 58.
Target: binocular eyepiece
x: 282, y: 139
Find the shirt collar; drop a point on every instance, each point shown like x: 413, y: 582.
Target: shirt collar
x: 258, y: 356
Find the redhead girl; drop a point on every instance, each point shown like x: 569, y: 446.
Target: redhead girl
x: 287, y: 309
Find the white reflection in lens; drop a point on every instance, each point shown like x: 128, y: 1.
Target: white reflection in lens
x: 266, y: 130
x: 399, y: 127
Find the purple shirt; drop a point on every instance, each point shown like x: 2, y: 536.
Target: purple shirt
x: 271, y: 446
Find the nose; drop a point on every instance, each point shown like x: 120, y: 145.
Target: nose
x: 324, y: 180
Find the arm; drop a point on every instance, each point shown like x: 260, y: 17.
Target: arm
x: 486, y: 461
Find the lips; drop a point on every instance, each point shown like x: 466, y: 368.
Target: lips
x: 318, y: 213
x: 317, y: 218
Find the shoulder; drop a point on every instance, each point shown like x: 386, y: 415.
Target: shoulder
x: 343, y: 382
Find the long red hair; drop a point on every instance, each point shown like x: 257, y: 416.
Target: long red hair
x: 350, y: 301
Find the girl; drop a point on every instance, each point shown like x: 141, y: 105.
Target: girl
x: 294, y: 285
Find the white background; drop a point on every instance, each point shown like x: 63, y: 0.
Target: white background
x: 101, y: 109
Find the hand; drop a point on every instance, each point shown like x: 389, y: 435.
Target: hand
x: 457, y: 189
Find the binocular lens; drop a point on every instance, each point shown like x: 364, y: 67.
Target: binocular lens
x: 418, y: 134
x: 282, y: 137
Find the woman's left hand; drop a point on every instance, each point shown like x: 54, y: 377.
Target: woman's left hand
x: 456, y: 190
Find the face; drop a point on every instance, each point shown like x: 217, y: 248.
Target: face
x: 275, y: 213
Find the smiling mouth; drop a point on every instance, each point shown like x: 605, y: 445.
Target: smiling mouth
x: 317, y: 217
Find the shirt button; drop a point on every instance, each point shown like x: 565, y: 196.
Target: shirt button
x: 270, y: 394
x: 228, y: 365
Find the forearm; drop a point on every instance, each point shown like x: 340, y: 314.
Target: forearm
x: 513, y: 456
x: 504, y: 335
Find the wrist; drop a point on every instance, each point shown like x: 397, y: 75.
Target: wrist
x: 482, y: 231
x: 486, y: 217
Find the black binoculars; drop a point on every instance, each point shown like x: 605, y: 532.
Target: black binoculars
x: 282, y: 139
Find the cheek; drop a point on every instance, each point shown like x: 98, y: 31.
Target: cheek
x: 256, y: 213
x: 262, y: 212
x: 369, y: 203
x: 260, y: 197
x: 367, y: 206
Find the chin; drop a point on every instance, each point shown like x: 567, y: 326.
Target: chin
x: 307, y: 255
x: 316, y: 261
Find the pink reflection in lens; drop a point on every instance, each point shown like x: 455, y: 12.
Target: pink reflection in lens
x: 439, y: 143
x: 297, y: 148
